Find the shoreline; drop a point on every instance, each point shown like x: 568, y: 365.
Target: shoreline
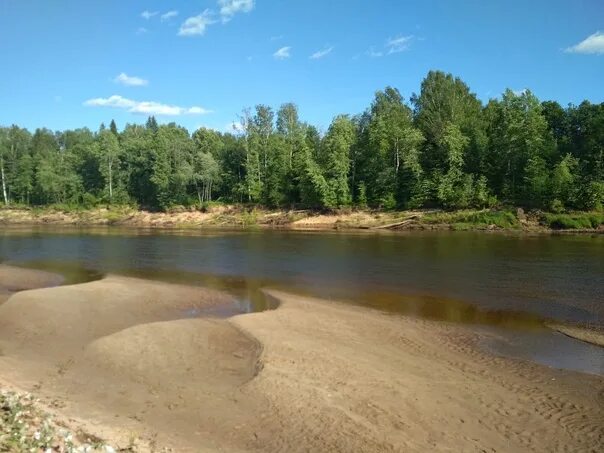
x: 239, y: 218
x: 310, y: 375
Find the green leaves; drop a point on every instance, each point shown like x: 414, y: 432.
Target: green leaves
x: 443, y: 149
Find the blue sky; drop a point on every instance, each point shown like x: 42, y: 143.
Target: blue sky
x: 68, y: 64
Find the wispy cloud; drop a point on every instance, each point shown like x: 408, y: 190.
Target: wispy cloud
x: 228, y: 8
x: 391, y: 46
x: 282, y: 53
x: 593, y: 44
x: 169, y: 15
x: 276, y: 38
x: 196, y: 25
x: 374, y: 53
x: 145, y: 107
x: 149, y: 14
x: 399, y: 44
x: 321, y: 53
x: 130, y: 81
x: 141, y: 31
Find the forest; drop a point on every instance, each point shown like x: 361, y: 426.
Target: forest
x: 439, y: 148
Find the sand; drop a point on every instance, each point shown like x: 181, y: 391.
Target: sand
x: 14, y: 279
x: 120, y: 358
x: 581, y: 333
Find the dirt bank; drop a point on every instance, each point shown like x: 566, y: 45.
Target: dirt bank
x: 244, y: 216
x: 119, y: 356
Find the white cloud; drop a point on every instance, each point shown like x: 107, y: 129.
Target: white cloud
x: 130, y: 81
x: 149, y: 14
x: 282, y: 53
x: 276, y: 38
x: 400, y: 44
x: 228, y: 8
x: 141, y: 31
x: 593, y: 44
x: 321, y: 53
x: 145, y: 107
x: 169, y: 15
x: 196, y: 25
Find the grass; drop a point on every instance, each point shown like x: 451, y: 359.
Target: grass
x: 470, y: 219
x: 573, y: 221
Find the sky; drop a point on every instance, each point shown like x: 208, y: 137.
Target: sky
x: 68, y: 64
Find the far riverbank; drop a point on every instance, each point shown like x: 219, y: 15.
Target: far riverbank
x: 242, y: 216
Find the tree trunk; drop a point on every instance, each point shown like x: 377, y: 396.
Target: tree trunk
x: 398, y: 161
x: 3, y: 181
x: 110, y: 183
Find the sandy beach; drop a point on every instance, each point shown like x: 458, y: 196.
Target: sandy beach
x: 122, y: 358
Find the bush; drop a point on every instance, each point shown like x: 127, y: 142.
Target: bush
x: 89, y: 201
x: 556, y: 206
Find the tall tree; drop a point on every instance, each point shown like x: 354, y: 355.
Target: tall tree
x: 109, y: 159
x: 335, y: 160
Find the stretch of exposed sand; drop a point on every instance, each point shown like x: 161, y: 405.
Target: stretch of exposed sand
x: 121, y: 358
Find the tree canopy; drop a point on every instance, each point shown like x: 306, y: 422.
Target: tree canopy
x: 440, y: 148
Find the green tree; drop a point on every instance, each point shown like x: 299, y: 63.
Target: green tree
x: 335, y: 161
x: 444, y: 100
x: 519, y: 135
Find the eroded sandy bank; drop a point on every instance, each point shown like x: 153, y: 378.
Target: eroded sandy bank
x: 118, y: 356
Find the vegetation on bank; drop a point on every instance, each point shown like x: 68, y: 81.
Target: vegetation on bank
x: 442, y: 149
x: 574, y: 221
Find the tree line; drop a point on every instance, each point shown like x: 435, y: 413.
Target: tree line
x: 441, y: 148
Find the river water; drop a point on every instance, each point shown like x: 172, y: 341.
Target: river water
x: 505, y: 286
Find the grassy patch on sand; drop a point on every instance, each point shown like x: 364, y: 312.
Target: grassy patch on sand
x: 573, y: 221
x: 471, y: 219
x: 24, y: 427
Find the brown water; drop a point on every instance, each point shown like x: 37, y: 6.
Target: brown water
x: 508, y: 285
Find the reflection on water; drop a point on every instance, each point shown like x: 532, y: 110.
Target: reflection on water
x: 509, y: 282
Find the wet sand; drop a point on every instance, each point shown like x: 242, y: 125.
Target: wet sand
x: 117, y: 357
x: 592, y: 336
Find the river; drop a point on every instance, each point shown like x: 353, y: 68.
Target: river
x: 505, y: 287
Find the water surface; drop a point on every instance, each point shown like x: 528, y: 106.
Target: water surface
x: 507, y: 282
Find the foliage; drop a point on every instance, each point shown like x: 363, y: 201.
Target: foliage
x: 442, y: 148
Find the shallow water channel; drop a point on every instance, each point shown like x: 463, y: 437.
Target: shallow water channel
x: 503, y: 286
